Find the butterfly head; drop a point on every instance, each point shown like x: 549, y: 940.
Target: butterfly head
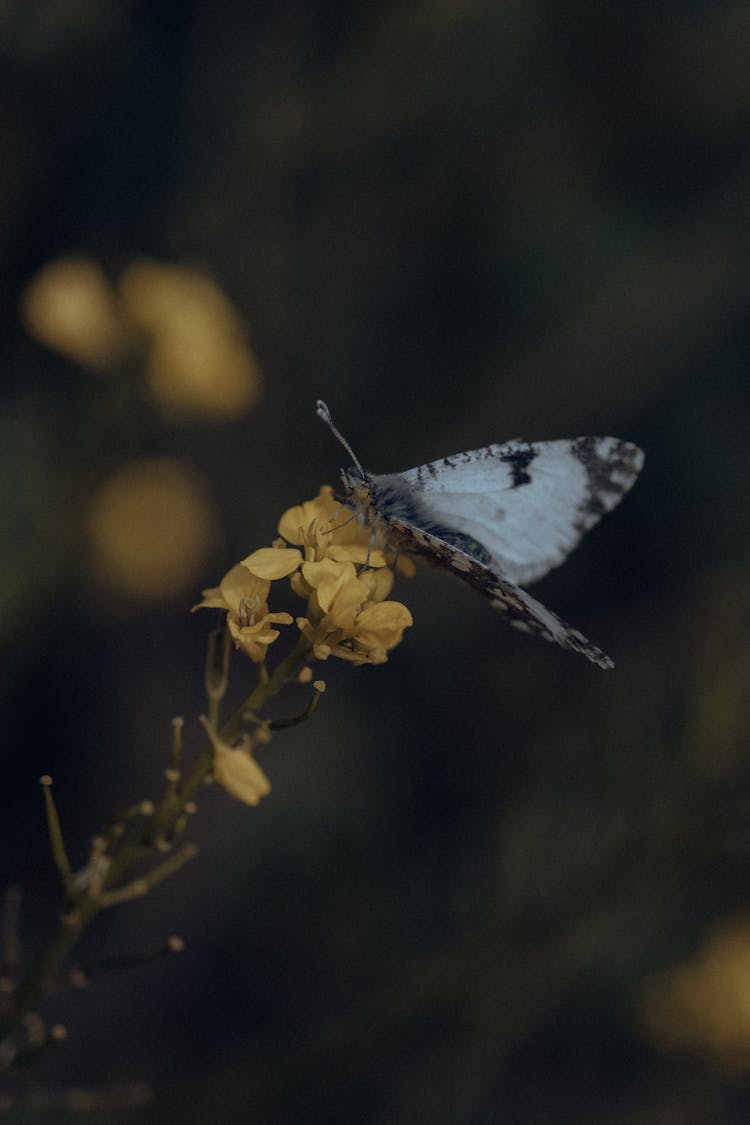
x: 358, y: 489
x: 358, y: 485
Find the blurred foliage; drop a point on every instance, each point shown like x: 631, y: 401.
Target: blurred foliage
x: 498, y: 884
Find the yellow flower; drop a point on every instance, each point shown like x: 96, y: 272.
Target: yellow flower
x: 328, y: 529
x: 324, y: 509
x: 328, y: 579
x: 239, y: 773
x: 325, y: 532
x: 237, y: 586
x: 381, y: 626
x: 355, y: 624
x: 237, y: 770
x: 244, y: 595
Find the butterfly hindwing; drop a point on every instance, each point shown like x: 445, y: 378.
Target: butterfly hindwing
x: 521, y: 610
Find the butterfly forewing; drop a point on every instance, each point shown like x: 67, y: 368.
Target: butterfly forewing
x: 527, y: 504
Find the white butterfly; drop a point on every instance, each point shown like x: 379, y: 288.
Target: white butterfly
x: 499, y: 516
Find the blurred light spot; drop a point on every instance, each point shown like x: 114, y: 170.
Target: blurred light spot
x: 151, y: 528
x: 199, y: 361
x: 704, y: 1005
x: 70, y: 306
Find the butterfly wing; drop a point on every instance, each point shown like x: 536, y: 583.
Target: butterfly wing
x: 521, y: 507
x: 522, y: 611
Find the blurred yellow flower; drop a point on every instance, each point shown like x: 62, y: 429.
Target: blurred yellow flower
x: 197, y: 357
x: 704, y: 1004
x: 199, y: 360
x: 151, y: 528
x: 71, y: 307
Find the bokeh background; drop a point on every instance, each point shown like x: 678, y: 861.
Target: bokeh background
x: 492, y: 883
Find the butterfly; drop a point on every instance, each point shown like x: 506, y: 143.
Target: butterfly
x: 499, y: 516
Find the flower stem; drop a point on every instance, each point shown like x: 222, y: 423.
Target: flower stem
x: 47, y: 964
x: 283, y: 673
x: 57, y: 844
x: 131, y: 852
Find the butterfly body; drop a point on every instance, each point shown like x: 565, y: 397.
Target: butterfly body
x: 391, y: 507
x: 500, y: 516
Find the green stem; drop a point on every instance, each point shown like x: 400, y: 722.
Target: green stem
x: 309, y: 711
x: 162, y: 820
x: 136, y: 957
x: 140, y: 887
x: 283, y: 673
x: 47, y: 965
x: 57, y: 844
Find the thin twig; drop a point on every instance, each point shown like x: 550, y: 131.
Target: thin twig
x: 57, y: 844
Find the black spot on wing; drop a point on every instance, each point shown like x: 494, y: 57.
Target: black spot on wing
x: 518, y: 460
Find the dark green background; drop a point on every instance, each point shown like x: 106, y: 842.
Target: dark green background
x: 458, y: 222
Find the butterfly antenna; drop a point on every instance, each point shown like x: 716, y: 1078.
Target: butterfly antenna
x: 323, y: 412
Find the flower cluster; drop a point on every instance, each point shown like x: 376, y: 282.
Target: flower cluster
x: 330, y: 562
x: 327, y: 556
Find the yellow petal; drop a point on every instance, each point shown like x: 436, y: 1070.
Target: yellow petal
x: 254, y: 639
x: 245, y: 641
x: 212, y: 599
x: 299, y: 586
x: 239, y: 773
x: 377, y: 583
x: 356, y: 553
x: 328, y: 578
x: 239, y: 585
x: 342, y: 614
x: 295, y: 521
x: 273, y: 562
x: 382, y: 625
x: 279, y: 618
x: 405, y: 566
